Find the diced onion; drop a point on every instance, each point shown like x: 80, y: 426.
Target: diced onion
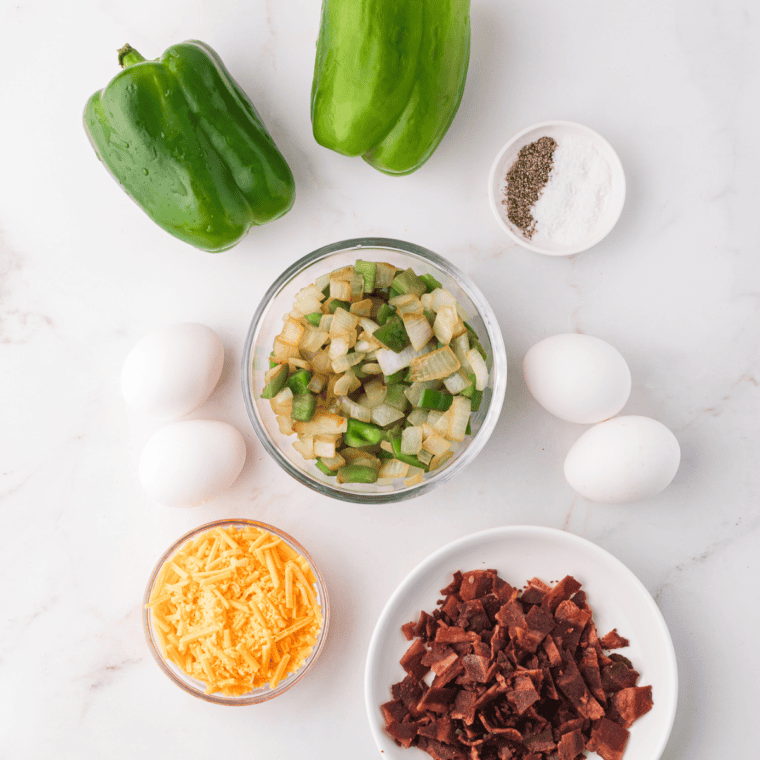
x: 384, y: 275
x: 435, y: 365
x: 436, y: 444
x: 375, y: 392
x: 285, y: 424
x: 357, y: 411
x: 391, y: 362
x: 442, y: 297
x: 282, y: 403
x: 385, y: 415
x: 456, y: 383
x: 479, y: 368
x: 323, y: 447
x: 333, y: 463
x: 305, y: 447
x: 459, y: 416
x: 411, y: 440
x: 292, y: 331
x: 443, y: 327
x: 417, y: 416
x: 418, y: 329
x: 393, y: 468
x: 342, y: 322
x: 441, y: 460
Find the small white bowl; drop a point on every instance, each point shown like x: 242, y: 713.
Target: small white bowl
x: 497, y: 184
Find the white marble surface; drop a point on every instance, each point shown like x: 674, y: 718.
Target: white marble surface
x: 671, y: 84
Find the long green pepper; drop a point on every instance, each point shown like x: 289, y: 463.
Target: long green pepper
x: 388, y: 78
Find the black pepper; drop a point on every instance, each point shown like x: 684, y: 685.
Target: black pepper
x: 526, y: 179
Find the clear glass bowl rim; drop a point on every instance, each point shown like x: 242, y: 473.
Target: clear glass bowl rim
x: 499, y: 370
x: 254, y: 697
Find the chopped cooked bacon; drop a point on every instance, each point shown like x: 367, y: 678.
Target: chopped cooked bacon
x: 613, y: 640
x: 518, y: 676
x: 608, y: 739
x: 632, y: 703
x: 571, y: 745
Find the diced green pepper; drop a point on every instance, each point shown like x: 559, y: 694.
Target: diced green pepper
x: 314, y: 318
x: 298, y: 381
x: 303, y: 407
x: 396, y: 377
x: 431, y: 282
x: 475, y: 342
x: 470, y: 389
x: 468, y: 431
x: 367, y: 269
x: 276, y: 382
x: 324, y: 468
x: 271, y: 363
x: 336, y: 304
x: 432, y: 399
x: 393, y: 335
x: 477, y: 397
x: 395, y: 397
x: 365, y: 433
x: 384, y: 313
x: 357, y: 473
x: 408, y: 282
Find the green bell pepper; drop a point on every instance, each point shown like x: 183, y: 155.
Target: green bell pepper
x: 389, y: 77
x: 186, y: 143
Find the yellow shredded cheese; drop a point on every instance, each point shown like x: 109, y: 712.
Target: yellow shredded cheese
x: 235, y: 608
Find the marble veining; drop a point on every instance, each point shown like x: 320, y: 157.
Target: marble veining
x: 84, y: 274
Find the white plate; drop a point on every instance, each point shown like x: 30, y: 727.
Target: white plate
x: 519, y: 553
x: 497, y: 184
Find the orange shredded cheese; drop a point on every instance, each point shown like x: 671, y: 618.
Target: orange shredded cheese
x: 235, y: 608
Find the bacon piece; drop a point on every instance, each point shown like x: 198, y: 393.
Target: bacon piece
x: 540, y: 741
x: 411, y: 661
x: 589, y: 668
x: 613, y: 640
x: 608, y: 739
x: 572, y: 685
x: 442, y: 730
x: 402, y: 733
x: 524, y: 693
x: 449, y: 634
x: 632, y: 703
x: 617, y: 676
x: 436, y: 699
x: 535, y: 591
x: 511, y: 614
x: 476, y: 583
x: 394, y: 711
x: 570, y: 745
x: 562, y: 591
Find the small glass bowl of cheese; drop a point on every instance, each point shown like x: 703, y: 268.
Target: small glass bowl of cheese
x: 235, y: 612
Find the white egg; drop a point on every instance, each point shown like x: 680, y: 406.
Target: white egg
x: 188, y: 463
x: 623, y: 459
x: 173, y: 370
x: 577, y: 378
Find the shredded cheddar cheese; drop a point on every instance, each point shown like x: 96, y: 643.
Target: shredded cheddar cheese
x: 236, y: 609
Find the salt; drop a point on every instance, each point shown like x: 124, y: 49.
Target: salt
x: 575, y: 195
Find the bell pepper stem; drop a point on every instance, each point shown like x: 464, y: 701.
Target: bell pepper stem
x: 128, y: 56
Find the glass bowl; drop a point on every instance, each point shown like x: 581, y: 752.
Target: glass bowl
x: 198, y: 688
x: 267, y: 324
